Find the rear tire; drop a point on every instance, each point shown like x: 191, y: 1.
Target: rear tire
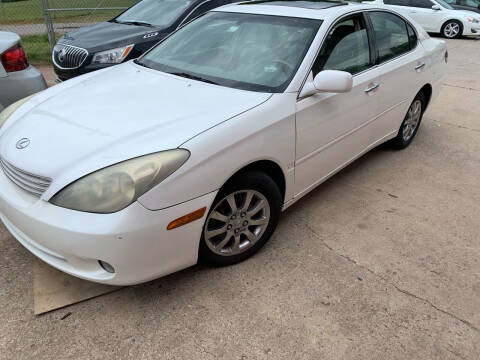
x: 241, y: 220
x: 410, y: 123
x: 452, y: 29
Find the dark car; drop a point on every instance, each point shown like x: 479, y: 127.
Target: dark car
x: 471, y: 5
x: 125, y: 37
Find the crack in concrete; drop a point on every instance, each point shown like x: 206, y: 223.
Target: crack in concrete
x: 455, y: 354
x: 203, y: 349
x: 461, y: 87
x: 386, y: 280
x: 455, y: 125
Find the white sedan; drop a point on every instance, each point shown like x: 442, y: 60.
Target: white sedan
x: 191, y: 152
x: 437, y: 16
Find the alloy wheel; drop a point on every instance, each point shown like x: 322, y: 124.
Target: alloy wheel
x: 237, y: 222
x: 451, y: 30
x: 413, y: 119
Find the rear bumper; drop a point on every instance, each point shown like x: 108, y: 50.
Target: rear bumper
x: 134, y: 241
x: 20, y: 84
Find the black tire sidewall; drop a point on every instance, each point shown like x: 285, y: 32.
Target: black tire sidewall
x: 449, y: 22
x: 251, y: 180
x: 399, y: 142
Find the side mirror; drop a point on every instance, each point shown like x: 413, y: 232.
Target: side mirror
x: 329, y: 81
x: 436, y: 7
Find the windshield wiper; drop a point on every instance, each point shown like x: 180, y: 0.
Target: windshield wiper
x: 193, y: 77
x: 137, y: 23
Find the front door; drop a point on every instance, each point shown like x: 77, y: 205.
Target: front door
x: 332, y: 129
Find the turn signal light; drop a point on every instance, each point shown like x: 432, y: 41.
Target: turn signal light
x: 198, y: 214
x: 14, y: 59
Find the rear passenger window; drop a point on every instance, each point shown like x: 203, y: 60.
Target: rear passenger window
x: 346, y: 48
x: 397, y: 2
x: 391, y: 35
x: 412, y: 36
x: 424, y: 4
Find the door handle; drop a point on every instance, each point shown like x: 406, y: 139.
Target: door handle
x: 413, y: 12
x: 419, y: 66
x: 371, y: 87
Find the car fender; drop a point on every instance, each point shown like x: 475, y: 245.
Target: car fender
x: 266, y: 132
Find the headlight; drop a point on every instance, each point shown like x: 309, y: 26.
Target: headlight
x: 9, y: 110
x: 472, y: 20
x: 114, y: 188
x: 112, y: 56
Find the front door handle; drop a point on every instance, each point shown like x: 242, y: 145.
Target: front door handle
x: 419, y: 66
x: 371, y: 87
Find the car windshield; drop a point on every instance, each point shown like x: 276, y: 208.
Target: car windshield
x: 445, y: 4
x: 244, y: 51
x: 155, y: 12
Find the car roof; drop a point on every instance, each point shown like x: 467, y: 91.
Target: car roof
x: 313, y: 9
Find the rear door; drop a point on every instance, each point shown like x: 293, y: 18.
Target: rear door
x: 401, y: 6
x: 401, y: 69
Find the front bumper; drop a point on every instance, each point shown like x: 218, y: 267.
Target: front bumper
x: 66, y: 74
x: 134, y: 241
x: 473, y: 31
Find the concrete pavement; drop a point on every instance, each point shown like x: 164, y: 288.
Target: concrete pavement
x: 380, y: 262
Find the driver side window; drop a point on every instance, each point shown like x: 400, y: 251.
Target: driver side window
x: 346, y: 48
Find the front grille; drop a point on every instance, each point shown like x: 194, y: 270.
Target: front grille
x: 69, y: 57
x: 31, y: 183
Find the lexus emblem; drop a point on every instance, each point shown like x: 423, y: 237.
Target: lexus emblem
x: 23, y: 143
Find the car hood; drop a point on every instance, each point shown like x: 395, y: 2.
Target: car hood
x: 108, y: 35
x: 117, y: 114
x: 472, y: 14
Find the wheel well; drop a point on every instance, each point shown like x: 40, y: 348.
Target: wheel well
x: 457, y: 21
x: 268, y: 167
x: 427, y: 92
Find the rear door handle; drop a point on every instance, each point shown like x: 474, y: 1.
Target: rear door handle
x: 420, y: 66
x: 371, y: 87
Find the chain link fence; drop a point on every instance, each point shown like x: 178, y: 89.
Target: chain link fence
x: 41, y: 22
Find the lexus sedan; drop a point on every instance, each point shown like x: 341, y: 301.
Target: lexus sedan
x: 191, y: 152
x: 125, y: 37
x: 437, y: 16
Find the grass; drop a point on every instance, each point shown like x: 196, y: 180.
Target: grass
x: 37, y: 49
x: 30, y: 11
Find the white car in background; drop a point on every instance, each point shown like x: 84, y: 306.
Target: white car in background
x: 192, y: 151
x: 436, y: 16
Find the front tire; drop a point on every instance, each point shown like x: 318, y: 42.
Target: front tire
x: 410, y: 123
x: 452, y: 29
x: 241, y: 220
